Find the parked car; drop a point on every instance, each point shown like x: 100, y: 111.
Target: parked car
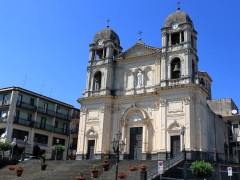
x: 29, y: 158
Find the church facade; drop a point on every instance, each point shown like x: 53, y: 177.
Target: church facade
x: 156, y: 97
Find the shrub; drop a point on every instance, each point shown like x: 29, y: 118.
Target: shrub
x: 201, y: 169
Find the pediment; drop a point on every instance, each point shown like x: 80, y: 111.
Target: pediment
x: 139, y: 49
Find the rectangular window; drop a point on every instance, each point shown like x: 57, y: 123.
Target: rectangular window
x: 19, y: 134
x: 40, y: 138
x: 45, y: 107
x: 32, y: 101
x: 19, y: 100
x: 58, y: 109
x: 56, y: 124
x: 5, y: 99
x: 17, y: 115
x: 29, y: 117
x: 74, y: 143
x: 65, y: 125
x: 43, y: 123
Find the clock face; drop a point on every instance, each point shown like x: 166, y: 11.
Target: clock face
x: 175, y: 25
x: 100, y: 42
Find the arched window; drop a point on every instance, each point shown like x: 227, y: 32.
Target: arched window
x: 176, y: 69
x: 97, y: 81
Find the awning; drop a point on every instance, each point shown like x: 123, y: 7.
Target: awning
x: 22, y: 144
x: 42, y: 146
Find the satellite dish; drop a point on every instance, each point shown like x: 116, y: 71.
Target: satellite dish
x: 4, y: 115
x: 234, y: 111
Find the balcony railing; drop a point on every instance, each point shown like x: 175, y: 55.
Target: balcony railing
x: 26, y: 105
x: 5, y: 103
x: 51, y: 128
x: 22, y: 121
x: 74, y: 131
x: 41, y: 126
x: 39, y: 109
x: 46, y: 111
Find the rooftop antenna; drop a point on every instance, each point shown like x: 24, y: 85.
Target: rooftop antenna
x: 41, y: 88
x: 108, y: 20
x: 178, y: 4
x: 24, y: 81
x: 50, y: 95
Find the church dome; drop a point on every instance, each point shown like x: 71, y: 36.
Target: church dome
x: 179, y: 17
x: 107, y: 34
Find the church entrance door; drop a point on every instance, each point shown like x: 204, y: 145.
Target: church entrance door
x: 135, y: 143
x: 175, y: 145
x: 90, y: 152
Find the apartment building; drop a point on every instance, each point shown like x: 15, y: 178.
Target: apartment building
x: 35, y: 123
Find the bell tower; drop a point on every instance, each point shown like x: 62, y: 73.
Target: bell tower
x: 100, y: 74
x: 179, y: 50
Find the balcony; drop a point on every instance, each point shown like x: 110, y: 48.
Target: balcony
x: 51, y: 128
x: 5, y: 103
x: 46, y: 111
x: 22, y: 121
x: 62, y: 116
x: 26, y: 106
x: 74, y: 131
x: 62, y: 131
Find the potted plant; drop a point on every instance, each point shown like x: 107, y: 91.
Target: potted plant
x: 105, y: 163
x: 19, y: 170
x: 11, y: 167
x: 143, y: 167
x: 43, y: 162
x: 201, y: 169
x: 94, y: 170
x: 122, y: 175
x: 81, y: 177
x: 132, y: 168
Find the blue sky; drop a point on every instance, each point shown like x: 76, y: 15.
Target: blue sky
x: 44, y: 44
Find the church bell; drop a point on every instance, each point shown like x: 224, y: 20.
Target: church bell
x: 176, y: 68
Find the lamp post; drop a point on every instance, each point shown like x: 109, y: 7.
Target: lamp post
x: 57, y: 141
x: 13, y: 144
x: 117, y: 146
x: 182, y: 132
x: 23, y: 154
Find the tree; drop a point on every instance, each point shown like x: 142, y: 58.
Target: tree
x: 59, y: 149
x: 4, y: 146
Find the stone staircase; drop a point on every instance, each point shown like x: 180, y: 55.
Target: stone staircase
x: 67, y: 170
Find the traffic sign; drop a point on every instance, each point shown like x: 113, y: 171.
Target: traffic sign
x: 160, y: 165
x: 229, y: 169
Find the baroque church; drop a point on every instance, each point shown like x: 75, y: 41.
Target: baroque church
x: 157, y: 98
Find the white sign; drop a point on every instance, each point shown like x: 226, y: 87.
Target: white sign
x: 229, y: 169
x: 160, y: 167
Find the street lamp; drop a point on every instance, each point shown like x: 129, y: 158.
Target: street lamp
x: 25, y: 141
x: 57, y: 141
x: 13, y: 144
x: 182, y: 132
x: 117, y: 147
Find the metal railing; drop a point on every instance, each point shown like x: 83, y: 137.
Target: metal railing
x: 26, y: 105
x: 21, y: 121
x: 193, y: 156
x: 168, y: 164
